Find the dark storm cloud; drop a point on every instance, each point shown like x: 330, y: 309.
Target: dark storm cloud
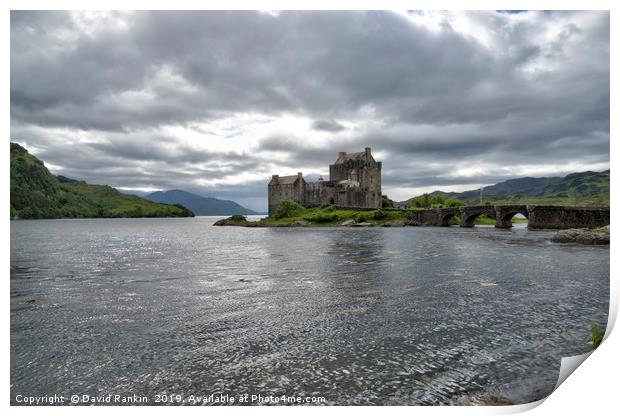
x: 520, y: 90
x: 328, y: 125
x: 308, y: 62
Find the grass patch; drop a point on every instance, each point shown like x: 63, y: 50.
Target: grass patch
x: 329, y: 214
x: 484, y: 220
x: 599, y: 200
x: 238, y: 218
x: 597, y: 333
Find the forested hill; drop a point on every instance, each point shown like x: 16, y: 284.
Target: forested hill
x: 36, y: 193
x: 583, y: 189
x: 200, y: 205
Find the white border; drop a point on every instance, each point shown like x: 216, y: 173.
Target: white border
x: 590, y: 390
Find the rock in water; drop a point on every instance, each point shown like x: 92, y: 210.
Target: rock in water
x: 363, y: 224
x: 300, y: 223
x: 489, y: 399
x: 597, y: 236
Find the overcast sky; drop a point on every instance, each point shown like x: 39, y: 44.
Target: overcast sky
x: 217, y: 102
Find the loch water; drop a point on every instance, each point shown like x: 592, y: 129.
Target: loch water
x: 386, y: 316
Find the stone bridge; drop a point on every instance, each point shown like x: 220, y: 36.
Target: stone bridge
x: 539, y: 216
x: 469, y: 214
x: 504, y: 214
x: 566, y: 217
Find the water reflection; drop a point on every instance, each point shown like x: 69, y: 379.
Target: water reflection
x: 360, y: 316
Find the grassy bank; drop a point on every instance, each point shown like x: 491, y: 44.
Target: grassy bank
x: 599, y: 200
x: 331, y: 215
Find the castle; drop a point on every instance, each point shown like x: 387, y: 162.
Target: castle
x: 354, y: 182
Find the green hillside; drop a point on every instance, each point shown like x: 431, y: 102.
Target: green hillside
x: 578, y: 189
x: 36, y: 193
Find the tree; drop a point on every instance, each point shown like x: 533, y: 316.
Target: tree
x: 288, y: 208
x: 386, y: 202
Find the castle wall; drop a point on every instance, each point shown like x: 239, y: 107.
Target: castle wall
x: 368, y: 174
x: 339, y: 172
x: 355, y: 182
x: 319, y: 193
x: 358, y: 198
x: 375, y: 184
x: 370, y: 177
x: 277, y: 192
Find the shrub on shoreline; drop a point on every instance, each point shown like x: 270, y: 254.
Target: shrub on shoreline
x: 597, y: 333
x: 288, y: 208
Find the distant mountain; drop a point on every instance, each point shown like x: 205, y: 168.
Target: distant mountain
x: 36, y: 193
x: 584, y: 188
x: 200, y: 205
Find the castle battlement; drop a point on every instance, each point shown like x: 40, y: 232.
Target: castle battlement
x: 354, y: 182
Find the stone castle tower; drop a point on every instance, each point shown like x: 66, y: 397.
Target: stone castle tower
x: 354, y: 182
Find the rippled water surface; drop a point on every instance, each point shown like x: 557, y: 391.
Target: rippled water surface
x: 410, y: 315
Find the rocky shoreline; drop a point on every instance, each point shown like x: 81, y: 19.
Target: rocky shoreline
x: 235, y: 222
x: 596, y: 236
x: 586, y: 236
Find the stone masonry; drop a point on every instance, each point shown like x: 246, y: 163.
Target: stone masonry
x: 354, y: 182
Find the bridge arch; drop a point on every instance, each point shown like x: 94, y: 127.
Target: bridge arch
x: 469, y: 214
x: 504, y: 214
x: 444, y: 219
x: 506, y: 220
x: 444, y: 215
x: 471, y: 219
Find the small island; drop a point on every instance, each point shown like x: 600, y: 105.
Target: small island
x: 290, y: 214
